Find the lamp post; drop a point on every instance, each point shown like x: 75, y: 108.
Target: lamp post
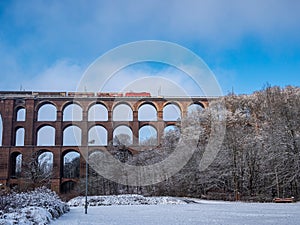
x: 86, y: 176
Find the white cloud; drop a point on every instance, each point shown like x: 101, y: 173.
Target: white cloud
x: 37, y: 33
x: 208, y: 21
x: 168, y: 81
x: 62, y: 76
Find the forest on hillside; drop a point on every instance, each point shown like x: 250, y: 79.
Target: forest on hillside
x: 258, y: 159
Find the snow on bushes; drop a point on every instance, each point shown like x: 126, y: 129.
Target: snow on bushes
x: 123, y: 200
x: 35, y: 207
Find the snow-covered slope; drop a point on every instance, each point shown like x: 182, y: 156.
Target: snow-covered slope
x: 36, y: 207
x: 123, y: 200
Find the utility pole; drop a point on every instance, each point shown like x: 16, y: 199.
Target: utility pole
x: 277, y: 182
x: 86, y: 176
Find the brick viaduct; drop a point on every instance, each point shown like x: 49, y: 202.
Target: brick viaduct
x: 19, y: 115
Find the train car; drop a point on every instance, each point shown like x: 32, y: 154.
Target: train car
x: 137, y: 94
x: 81, y: 94
x: 109, y: 94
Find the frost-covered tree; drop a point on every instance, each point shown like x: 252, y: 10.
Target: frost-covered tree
x: 258, y: 159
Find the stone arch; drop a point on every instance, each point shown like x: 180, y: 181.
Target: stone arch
x: 201, y: 104
x: 171, y: 128
x: 98, y: 112
x: 70, y: 164
x: 20, y: 114
x: 47, y: 111
x: 72, y: 136
x: 45, y: 159
x: 16, y: 164
x: 122, y: 135
x: 147, y: 112
x: 100, y: 151
x: 96, y: 151
x: 46, y: 136
x: 171, y: 136
x: 145, y: 102
x: 72, y: 111
x: 1, y: 129
x: 20, y: 136
x: 97, y: 135
x: 195, y: 107
x: 122, y: 112
x: 171, y: 112
x: 67, y: 186
x: 148, y: 135
x: 95, y: 156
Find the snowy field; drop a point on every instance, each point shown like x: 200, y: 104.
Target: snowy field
x: 202, y: 212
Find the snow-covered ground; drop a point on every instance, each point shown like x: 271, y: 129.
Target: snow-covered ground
x: 41, y: 207
x: 201, y: 212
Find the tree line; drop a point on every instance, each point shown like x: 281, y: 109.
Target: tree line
x: 258, y: 160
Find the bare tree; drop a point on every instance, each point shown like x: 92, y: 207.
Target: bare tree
x: 38, y: 170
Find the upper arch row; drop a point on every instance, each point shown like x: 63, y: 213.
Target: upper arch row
x: 98, y: 111
x: 111, y: 105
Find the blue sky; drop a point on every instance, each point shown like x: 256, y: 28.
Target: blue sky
x: 47, y: 45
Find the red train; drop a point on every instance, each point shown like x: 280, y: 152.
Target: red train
x: 137, y: 94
